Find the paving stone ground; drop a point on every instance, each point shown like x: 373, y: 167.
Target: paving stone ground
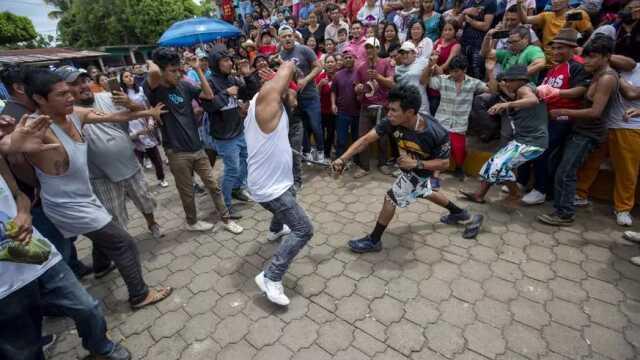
x: 521, y: 290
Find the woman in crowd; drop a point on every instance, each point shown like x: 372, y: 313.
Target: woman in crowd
x: 314, y: 28
x: 142, y: 131
x: 312, y: 43
x: 389, y: 40
x: 431, y: 19
x: 324, y: 81
x: 445, y: 48
x: 329, y: 49
x: 103, y: 81
x: 417, y: 35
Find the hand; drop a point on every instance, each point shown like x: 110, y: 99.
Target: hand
x: 490, y: 64
x: 334, y: 109
x: 29, y: 137
x: 556, y: 113
x: 406, y: 162
x: 372, y: 73
x: 492, y: 31
x: 24, y: 228
x: 547, y: 92
x: 338, y: 166
x: 244, y: 69
x: 472, y: 11
x: 233, y: 90
x: 437, y: 70
x: 192, y: 60
x: 120, y: 98
x: 498, y: 108
x: 157, y: 111
x: 301, y: 84
x: 323, y: 82
x: 359, y: 88
x: 266, y: 74
x: 631, y: 113
x: 7, y: 125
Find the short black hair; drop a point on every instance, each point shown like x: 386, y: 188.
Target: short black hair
x: 408, y: 96
x: 40, y: 82
x: 600, y: 44
x: 343, y: 30
x: 10, y: 75
x: 513, y: 8
x: 164, y: 57
x: 459, y: 62
x: 357, y: 22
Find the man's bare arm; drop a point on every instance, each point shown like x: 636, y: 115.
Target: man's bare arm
x: 90, y: 116
x: 536, y: 66
x: 269, y: 100
x: 360, y: 144
x: 606, y: 86
x: 154, y: 76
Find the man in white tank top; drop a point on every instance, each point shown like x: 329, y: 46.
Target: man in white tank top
x: 270, y: 179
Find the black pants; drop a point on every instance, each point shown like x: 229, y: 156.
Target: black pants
x: 329, y: 129
x: 112, y: 243
x: 156, y: 159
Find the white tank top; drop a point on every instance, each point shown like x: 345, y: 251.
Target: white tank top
x: 270, y: 161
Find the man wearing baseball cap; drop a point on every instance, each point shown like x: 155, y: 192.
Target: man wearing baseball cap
x: 409, y: 71
x: 374, y: 78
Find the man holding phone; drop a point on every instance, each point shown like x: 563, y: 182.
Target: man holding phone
x: 553, y: 21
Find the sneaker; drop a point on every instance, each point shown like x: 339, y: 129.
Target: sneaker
x: 241, y: 195
x: 386, y: 170
x: 155, y: 231
x: 119, y: 352
x: 534, y: 197
x: 452, y: 219
x: 233, y: 227
x: 198, y: 189
x: 147, y: 164
x: 623, y: 218
x: 435, y: 184
x: 272, y: 236
x: 504, y: 189
x: 199, y: 226
x: 396, y: 173
x: 580, y: 202
x: 360, y: 173
x: 163, y: 184
x: 555, y: 219
x: 307, y: 157
x: 314, y: 154
x: 234, y: 214
x: 632, y: 236
x: 365, y: 245
x: 635, y: 260
x: 48, y: 341
x: 320, y: 157
x: 273, y: 289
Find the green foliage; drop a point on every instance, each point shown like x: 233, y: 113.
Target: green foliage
x: 93, y: 23
x: 15, y: 29
x: 61, y: 7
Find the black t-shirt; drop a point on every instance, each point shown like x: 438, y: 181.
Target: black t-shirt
x: 472, y: 37
x: 179, y: 130
x: 627, y: 42
x: 430, y: 143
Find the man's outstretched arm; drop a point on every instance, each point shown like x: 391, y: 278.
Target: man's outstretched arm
x: 269, y: 101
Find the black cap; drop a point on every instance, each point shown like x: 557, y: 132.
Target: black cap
x: 515, y: 72
x: 69, y: 73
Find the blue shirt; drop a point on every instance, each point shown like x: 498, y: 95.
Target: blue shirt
x: 304, y: 11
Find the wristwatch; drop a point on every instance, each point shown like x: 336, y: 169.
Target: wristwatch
x: 419, y: 165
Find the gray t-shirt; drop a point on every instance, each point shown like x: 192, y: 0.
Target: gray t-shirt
x: 304, y: 58
x: 110, y: 150
x: 410, y: 75
x: 615, y: 115
x: 530, y: 125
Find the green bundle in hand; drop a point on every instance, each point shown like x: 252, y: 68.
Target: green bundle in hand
x: 37, y: 251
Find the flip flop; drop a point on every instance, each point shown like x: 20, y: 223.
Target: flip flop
x: 469, y: 196
x: 473, y: 228
x: 159, y: 294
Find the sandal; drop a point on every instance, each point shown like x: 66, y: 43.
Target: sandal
x: 473, y: 228
x: 154, y: 296
x: 470, y: 197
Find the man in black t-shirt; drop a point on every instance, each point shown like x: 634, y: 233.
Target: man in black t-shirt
x: 425, y: 144
x: 477, y: 17
x: 180, y: 134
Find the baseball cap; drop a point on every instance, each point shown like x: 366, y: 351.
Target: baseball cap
x: 371, y: 41
x: 408, y: 46
x: 69, y: 73
x: 284, y: 29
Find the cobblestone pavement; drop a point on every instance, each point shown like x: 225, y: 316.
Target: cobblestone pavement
x: 521, y: 290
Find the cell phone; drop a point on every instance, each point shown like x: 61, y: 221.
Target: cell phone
x: 574, y: 16
x: 113, y: 84
x: 501, y: 34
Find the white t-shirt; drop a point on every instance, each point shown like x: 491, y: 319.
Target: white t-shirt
x: 370, y: 16
x: 269, y: 160
x: 528, y: 4
x: 13, y: 276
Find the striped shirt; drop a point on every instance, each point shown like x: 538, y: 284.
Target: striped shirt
x: 453, y: 111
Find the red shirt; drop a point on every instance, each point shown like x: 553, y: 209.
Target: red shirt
x: 325, y: 92
x: 566, y: 75
x: 267, y: 49
x: 353, y: 6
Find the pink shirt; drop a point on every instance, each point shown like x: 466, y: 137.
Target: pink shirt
x: 381, y: 94
x: 357, y: 48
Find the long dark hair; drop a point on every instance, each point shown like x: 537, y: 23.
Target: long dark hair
x: 124, y: 86
x: 383, y: 38
x: 411, y: 24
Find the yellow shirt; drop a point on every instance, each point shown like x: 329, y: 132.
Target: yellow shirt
x: 552, y: 24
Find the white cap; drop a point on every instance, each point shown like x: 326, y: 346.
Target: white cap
x: 408, y: 46
x: 372, y: 41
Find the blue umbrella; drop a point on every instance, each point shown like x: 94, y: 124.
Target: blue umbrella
x: 197, y: 30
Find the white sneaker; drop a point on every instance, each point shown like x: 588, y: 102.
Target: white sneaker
x: 534, y: 197
x: 275, y: 236
x: 147, y: 164
x: 273, y: 289
x: 233, y: 227
x: 504, y: 189
x: 581, y: 202
x: 632, y: 236
x: 320, y: 157
x: 200, y: 226
x: 635, y: 260
x: 623, y: 218
x: 163, y: 184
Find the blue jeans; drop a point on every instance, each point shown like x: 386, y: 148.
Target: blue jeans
x: 286, y: 211
x: 576, y: 149
x: 234, y: 156
x: 295, y: 140
x: 312, y: 120
x: 345, y: 124
x: 544, y: 167
x: 57, y: 291
x: 66, y: 246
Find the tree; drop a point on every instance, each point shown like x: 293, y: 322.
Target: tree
x: 62, y: 6
x: 15, y: 29
x: 93, y: 23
